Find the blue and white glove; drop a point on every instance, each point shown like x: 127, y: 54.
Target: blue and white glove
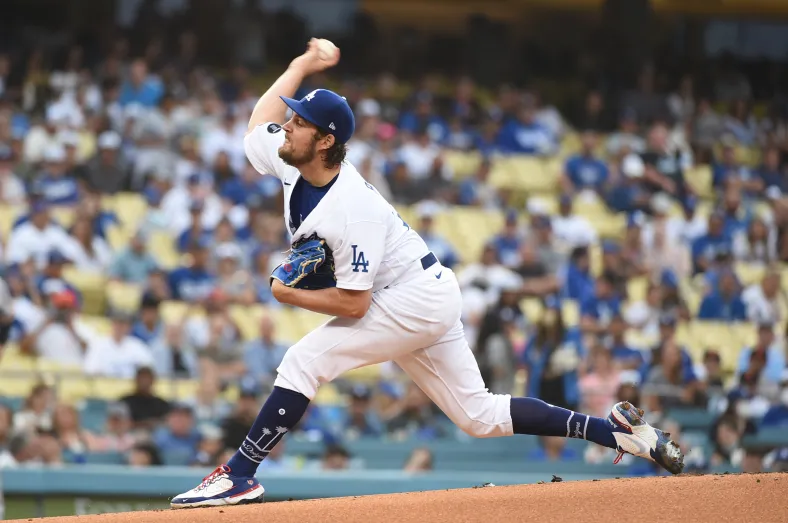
x: 302, y: 261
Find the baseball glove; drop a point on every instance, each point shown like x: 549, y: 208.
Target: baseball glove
x: 310, y: 265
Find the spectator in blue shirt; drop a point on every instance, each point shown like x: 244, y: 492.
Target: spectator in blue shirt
x: 134, y: 263
x: 547, y: 379
x: 141, y: 88
x: 240, y: 189
x: 263, y: 355
x: 51, y: 280
x: 724, y: 303
x: 443, y: 250
x: 777, y: 415
x: 628, y: 193
x: 578, y: 280
x: 706, y: 247
x: 149, y: 325
x: 585, y: 170
x: 553, y: 448
x: 476, y: 190
x: 736, y: 216
x: 194, y: 282
x: 54, y: 184
x: 423, y: 116
x: 178, y: 439
x: 486, y: 141
x: 524, y: 135
x: 508, y: 242
x: 727, y: 168
x: 621, y: 352
x: 599, y: 306
x: 359, y: 420
x: 195, y: 232
x: 770, y: 172
x: 771, y: 359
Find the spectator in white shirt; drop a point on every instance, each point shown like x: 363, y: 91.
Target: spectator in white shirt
x: 692, y: 224
x: 87, y: 251
x: 764, y: 300
x: 422, y: 157
x: 11, y: 188
x: 178, y: 201
x: 119, y: 355
x: 36, y: 238
x: 228, y: 137
x: 571, y: 230
x: 626, y: 137
x: 44, y: 136
x: 60, y: 337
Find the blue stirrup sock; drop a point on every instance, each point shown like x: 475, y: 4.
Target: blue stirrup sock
x: 280, y: 413
x: 535, y: 417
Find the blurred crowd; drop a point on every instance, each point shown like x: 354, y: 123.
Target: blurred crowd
x: 73, y: 135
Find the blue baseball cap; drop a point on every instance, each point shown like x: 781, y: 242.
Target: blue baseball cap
x: 326, y: 110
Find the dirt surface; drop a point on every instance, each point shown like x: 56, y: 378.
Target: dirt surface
x: 739, y: 498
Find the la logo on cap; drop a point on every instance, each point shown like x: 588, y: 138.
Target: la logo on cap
x: 311, y: 95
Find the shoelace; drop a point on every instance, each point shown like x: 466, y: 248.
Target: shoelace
x: 210, y: 478
x: 618, y: 458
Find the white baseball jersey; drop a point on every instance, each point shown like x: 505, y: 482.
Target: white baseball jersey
x: 415, y: 322
x: 372, y: 245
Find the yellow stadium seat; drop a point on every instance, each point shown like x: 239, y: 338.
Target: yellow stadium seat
x: 119, y: 238
x: 570, y: 311
x: 463, y: 164
x: 570, y: 144
x: 123, y: 296
x: 532, y: 308
x: 639, y: 340
x: 523, y: 174
x: 699, y: 178
x: 609, y: 225
x: 131, y: 209
x: 750, y: 273
x: 72, y: 389
x: 248, y: 324
x: 328, y: 394
x: 369, y: 374
x: 91, y: 286
x: 110, y: 388
x: 8, y: 214
x: 17, y: 385
x: 63, y: 215
x: 162, y: 247
x: 13, y: 361
x: 715, y: 335
x: 184, y: 389
x: 173, y: 312
x: 637, y: 288
x: 102, y: 326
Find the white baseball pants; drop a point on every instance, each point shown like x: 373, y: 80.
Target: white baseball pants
x: 415, y: 323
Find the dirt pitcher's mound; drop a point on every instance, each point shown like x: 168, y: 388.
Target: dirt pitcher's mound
x: 762, y: 498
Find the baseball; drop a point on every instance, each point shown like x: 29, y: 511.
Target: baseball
x: 326, y: 49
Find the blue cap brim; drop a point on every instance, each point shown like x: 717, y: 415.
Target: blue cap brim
x: 300, y: 109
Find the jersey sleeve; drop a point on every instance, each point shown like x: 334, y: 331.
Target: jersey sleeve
x: 357, y: 259
x: 262, y: 148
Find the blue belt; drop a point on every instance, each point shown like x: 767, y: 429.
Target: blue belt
x: 428, y: 261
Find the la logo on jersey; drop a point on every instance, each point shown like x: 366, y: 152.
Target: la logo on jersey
x: 359, y: 260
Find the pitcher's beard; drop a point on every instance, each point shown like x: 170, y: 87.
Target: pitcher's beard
x: 294, y: 160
